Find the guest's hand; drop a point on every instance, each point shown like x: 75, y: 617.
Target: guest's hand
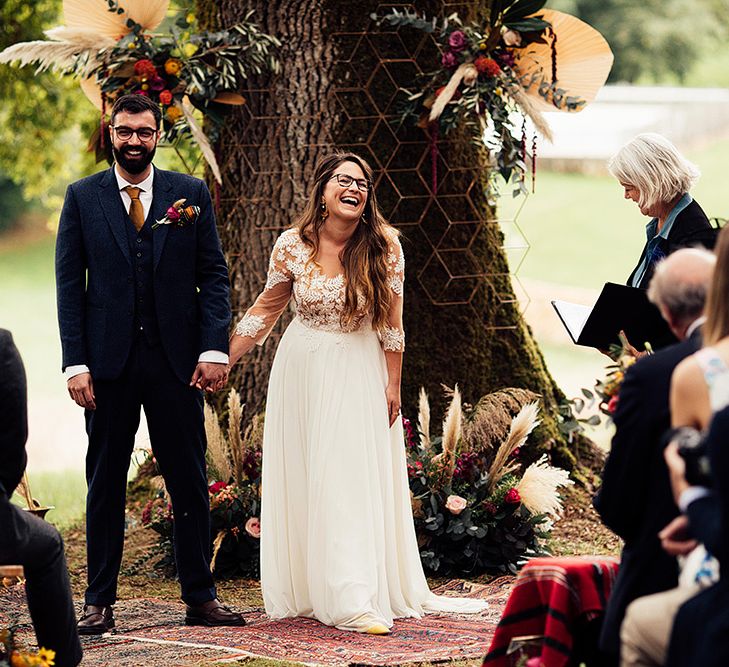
x: 676, y: 470
x: 675, y: 538
x: 81, y: 390
x: 392, y: 394
x: 210, y: 376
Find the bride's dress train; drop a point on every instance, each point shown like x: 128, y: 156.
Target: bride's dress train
x: 337, y: 537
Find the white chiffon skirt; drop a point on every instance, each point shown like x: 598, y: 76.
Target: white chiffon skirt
x: 337, y: 536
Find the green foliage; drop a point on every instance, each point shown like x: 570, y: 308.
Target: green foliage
x: 38, y: 144
x: 13, y: 204
x: 653, y: 39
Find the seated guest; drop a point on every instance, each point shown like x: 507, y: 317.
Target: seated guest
x: 658, y: 178
x: 25, y: 539
x: 635, y: 498
x: 699, y: 388
x: 700, y: 634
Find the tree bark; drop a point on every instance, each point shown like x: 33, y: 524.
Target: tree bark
x: 342, y: 78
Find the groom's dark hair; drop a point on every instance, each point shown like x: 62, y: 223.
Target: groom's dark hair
x: 135, y: 103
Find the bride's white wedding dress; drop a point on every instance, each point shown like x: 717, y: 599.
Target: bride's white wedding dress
x: 337, y: 537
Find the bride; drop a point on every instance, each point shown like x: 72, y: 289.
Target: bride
x: 337, y: 537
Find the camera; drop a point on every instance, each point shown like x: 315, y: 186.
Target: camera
x: 692, y: 447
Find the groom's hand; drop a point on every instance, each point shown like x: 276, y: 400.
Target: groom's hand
x: 81, y: 390
x: 210, y: 376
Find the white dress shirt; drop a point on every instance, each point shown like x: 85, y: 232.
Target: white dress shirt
x: 146, y: 195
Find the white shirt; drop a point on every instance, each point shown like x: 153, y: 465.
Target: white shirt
x: 145, y: 196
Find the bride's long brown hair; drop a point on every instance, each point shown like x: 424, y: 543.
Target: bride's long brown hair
x: 365, y: 254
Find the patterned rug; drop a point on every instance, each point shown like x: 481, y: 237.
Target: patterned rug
x: 434, y: 638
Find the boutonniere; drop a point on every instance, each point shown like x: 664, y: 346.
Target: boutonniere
x: 179, y: 214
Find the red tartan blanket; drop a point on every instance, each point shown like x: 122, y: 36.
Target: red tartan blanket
x: 549, y: 595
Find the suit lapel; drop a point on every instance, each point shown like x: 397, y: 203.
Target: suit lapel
x: 111, y: 204
x: 161, y: 201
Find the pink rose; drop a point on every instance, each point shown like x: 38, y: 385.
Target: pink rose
x: 612, y: 406
x: 173, y: 214
x: 253, y: 527
x: 534, y: 662
x: 457, y: 41
x: 455, y: 504
x: 511, y: 38
x: 449, y: 60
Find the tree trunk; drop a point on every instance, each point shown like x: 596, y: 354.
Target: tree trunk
x: 342, y: 78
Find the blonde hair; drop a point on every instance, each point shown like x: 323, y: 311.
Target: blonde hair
x: 717, y: 301
x: 365, y: 254
x: 655, y: 167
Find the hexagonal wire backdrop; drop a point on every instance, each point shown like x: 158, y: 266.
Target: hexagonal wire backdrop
x: 373, y: 70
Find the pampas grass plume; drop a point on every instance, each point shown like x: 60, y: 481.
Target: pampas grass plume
x: 424, y: 419
x: 538, y: 488
x: 521, y: 426
x: 217, y: 446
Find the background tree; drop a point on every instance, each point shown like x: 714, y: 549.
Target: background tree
x: 341, y: 82
x: 653, y: 39
x: 41, y: 143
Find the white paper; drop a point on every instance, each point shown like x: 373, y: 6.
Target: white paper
x: 573, y: 316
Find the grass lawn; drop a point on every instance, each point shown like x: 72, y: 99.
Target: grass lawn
x: 65, y: 491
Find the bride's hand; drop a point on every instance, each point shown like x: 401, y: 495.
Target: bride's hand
x: 392, y: 394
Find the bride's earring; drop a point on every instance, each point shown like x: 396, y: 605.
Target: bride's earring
x: 324, y: 211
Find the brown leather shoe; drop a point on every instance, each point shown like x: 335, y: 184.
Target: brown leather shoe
x: 96, y: 620
x: 212, y: 613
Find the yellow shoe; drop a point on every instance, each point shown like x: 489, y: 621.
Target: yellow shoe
x: 378, y: 629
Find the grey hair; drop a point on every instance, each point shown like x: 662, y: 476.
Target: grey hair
x: 683, y: 299
x: 655, y: 167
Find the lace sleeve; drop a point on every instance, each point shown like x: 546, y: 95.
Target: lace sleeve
x: 272, y: 301
x: 392, y: 335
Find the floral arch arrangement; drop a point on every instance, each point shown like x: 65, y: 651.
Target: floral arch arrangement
x: 525, y: 60
x: 111, y: 47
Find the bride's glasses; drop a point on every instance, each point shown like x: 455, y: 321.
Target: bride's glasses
x: 345, y: 181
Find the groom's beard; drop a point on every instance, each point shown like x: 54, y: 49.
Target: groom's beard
x: 137, y: 164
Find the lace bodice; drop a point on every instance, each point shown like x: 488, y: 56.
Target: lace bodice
x: 319, y: 299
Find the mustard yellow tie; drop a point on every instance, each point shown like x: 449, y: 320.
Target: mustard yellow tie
x: 136, y: 210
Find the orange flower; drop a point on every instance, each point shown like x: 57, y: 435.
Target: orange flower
x: 173, y: 66
x: 173, y: 114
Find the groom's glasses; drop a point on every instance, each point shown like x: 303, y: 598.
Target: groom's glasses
x: 125, y: 133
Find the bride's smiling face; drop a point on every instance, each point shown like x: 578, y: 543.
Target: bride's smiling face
x: 345, y: 193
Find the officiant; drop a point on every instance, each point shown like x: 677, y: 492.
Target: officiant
x: 655, y: 175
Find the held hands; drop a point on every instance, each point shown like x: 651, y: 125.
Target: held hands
x: 392, y: 394
x: 675, y: 538
x: 81, y: 390
x: 210, y: 377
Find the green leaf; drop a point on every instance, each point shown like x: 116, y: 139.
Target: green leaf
x: 587, y: 393
x: 523, y: 8
x: 594, y: 420
x: 528, y: 25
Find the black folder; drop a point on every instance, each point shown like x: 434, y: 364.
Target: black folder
x: 618, y: 307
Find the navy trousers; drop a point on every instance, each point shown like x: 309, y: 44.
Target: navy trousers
x: 174, y: 413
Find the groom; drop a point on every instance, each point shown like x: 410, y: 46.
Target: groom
x: 144, y: 316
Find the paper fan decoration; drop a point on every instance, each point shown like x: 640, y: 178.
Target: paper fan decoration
x: 95, y: 15
x: 565, y: 72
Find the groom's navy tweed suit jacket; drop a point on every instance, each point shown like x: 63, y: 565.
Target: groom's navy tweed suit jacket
x: 95, y: 274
